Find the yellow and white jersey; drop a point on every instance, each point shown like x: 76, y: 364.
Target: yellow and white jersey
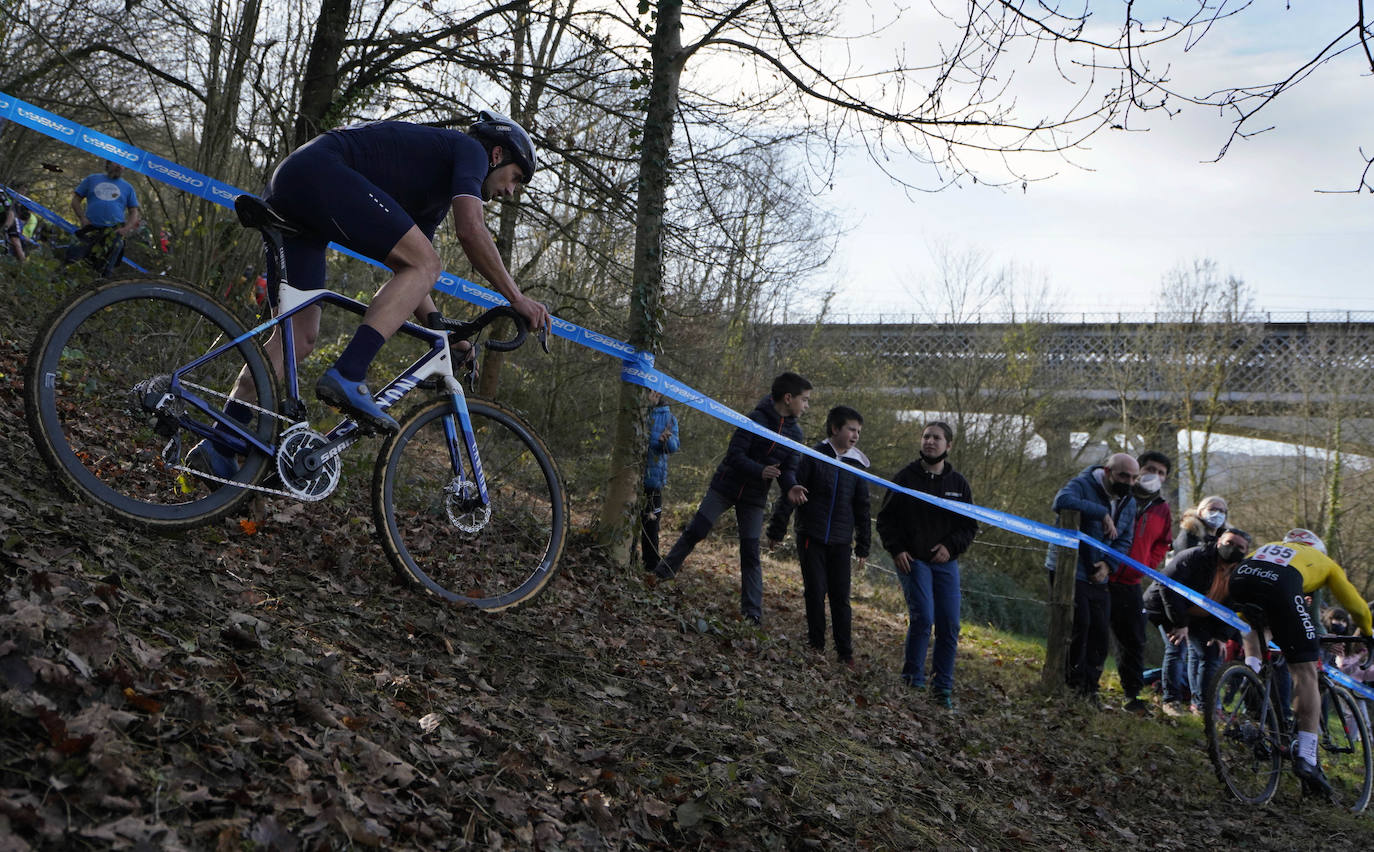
x: 1319, y: 571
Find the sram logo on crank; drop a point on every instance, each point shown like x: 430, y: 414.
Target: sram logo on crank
x: 305, y: 473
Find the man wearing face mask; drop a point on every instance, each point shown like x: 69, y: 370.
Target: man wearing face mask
x: 1106, y: 512
x: 1205, y: 569
x: 1154, y: 522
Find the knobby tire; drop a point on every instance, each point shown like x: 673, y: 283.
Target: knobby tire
x: 1244, y: 733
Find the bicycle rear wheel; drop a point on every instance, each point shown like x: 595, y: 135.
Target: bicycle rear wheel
x: 1344, y: 748
x: 93, y: 374
x: 430, y: 518
x: 1243, y: 734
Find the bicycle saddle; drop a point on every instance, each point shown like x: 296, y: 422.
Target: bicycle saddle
x: 253, y: 212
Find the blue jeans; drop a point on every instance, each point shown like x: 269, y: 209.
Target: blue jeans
x: 932, y: 600
x: 1204, y: 659
x: 1172, y: 671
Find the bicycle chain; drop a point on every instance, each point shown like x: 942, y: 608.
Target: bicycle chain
x: 173, y: 450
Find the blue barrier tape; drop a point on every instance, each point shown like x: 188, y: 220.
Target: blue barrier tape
x: 1350, y: 683
x: 638, y: 366
x: 35, y: 207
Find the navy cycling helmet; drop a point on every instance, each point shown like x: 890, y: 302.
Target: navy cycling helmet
x: 492, y: 128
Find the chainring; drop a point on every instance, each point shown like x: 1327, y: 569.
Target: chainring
x: 297, y: 442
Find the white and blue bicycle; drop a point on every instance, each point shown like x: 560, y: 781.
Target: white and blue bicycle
x: 127, y: 376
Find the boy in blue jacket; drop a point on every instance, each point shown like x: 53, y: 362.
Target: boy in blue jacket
x: 742, y: 481
x: 663, y: 441
x: 832, y: 514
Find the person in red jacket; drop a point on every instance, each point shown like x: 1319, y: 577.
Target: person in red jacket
x: 1154, y: 522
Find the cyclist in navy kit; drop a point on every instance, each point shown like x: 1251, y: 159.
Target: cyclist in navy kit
x: 382, y: 189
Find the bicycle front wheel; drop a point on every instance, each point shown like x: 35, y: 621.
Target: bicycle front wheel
x: 431, y: 519
x: 1344, y: 748
x: 1244, y: 732
x: 102, y: 411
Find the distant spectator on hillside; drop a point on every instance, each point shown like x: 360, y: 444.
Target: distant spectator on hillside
x: 926, y: 542
x: 663, y: 442
x: 832, y: 516
x: 1101, y: 495
x: 107, y: 201
x: 1154, y: 522
x: 751, y: 464
x: 106, y: 205
x: 9, y: 226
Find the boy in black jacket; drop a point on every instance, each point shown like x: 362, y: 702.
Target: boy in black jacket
x: 742, y: 481
x: 832, y: 514
x: 925, y: 542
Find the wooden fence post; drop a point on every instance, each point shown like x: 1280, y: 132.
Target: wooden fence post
x: 1052, y: 677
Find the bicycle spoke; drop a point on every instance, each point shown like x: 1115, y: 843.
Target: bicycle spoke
x: 1344, y: 749
x: 437, y: 530
x: 1243, y: 736
x: 98, y: 371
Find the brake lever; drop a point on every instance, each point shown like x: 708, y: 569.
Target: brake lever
x: 544, y: 339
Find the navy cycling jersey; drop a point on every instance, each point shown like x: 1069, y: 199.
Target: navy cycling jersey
x: 423, y: 168
x: 366, y: 185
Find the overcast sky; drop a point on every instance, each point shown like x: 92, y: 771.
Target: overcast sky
x: 1103, y: 239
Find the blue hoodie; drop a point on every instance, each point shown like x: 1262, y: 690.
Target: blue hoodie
x: 656, y: 463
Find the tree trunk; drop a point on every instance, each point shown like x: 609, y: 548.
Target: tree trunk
x: 231, y: 46
x: 615, y: 526
x: 489, y: 384
x: 321, y: 79
x: 1060, y: 631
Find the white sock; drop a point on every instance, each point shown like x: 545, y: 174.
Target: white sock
x: 1307, y: 746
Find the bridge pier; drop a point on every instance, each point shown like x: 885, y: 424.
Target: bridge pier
x: 1057, y: 435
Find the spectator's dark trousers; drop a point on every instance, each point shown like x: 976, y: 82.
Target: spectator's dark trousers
x: 1128, y: 626
x: 1091, y: 635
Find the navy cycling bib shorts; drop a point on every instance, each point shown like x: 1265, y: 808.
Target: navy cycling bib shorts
x: 1277, y: 590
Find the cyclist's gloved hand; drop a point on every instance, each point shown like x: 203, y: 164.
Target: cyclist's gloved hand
x: 1253, y: 663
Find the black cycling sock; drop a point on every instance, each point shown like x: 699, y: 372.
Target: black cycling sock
x: 357, y: 356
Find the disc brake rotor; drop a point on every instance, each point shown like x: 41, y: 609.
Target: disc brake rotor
x: 464, y: 506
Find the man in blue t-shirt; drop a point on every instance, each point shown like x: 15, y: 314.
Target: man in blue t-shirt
x: 107, y: 201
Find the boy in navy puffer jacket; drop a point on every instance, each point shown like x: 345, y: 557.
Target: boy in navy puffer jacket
x: 832, y: 515
x: 742, y: 481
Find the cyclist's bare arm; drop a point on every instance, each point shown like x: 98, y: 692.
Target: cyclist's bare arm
x: 481, y: 250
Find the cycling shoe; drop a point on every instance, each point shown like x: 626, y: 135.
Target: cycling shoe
x: 355, y: 400
x: 1312, y: 778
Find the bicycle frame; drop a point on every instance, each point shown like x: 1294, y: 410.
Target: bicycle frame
x: 437, y: 362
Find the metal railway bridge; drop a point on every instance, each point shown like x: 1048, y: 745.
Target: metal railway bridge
x: 1282, y: 380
